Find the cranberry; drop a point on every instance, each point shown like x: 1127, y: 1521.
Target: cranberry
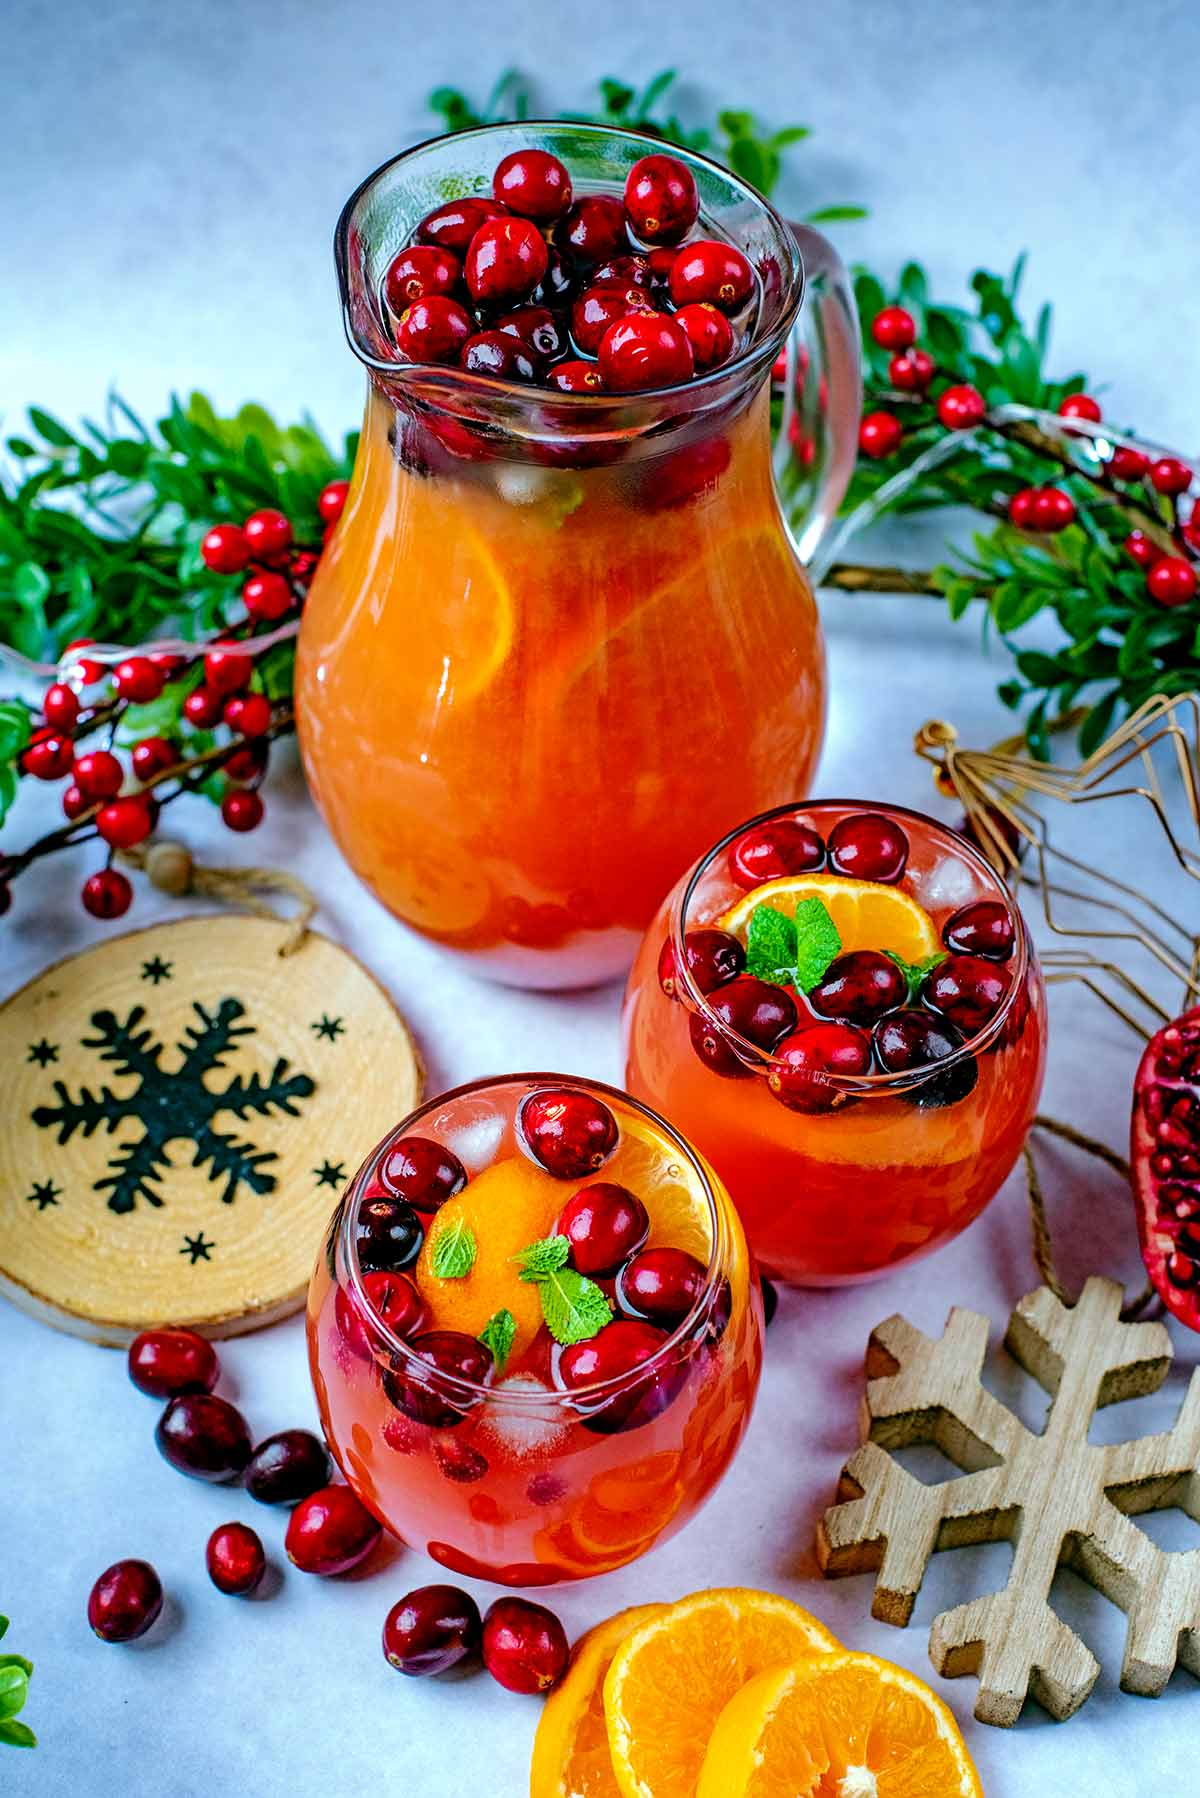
x: 577, y: 377
x: 288, y: 1466
x: 645, y: 349
x: 432, y: 330
x: 60, y: 706
x: 418, y: 272
x: 537, y: 328
x: 458, y: 1461
x: 269, y: 533
x: 431, y: 1630
x: 524, y: 1645
x: 454, y: 1357
x: 452, y: 226
x: 960, y: 407
x: 387, y: 1234
x: 709, y: 333
x: 894, y: 328
x: 1169, y: 475
x: 1127, y: 464
x: 908, y: 1041
x: 203, y: 707
x: 911, y: 371
x: 124, y: 822
x: 661, y: 198
x: 868, y: 846
x: 138, y: 680
x: 532, y: 183
x: 1053, y: 510
x: 224, y: 549
x: 203, y: 1436
x: 152, y: 756
x: 248, y: 762
x: 663, y: 1285
x: 1141, y: 549
x: 1022, y: 509
x: 330, y: 1532
x: 505, y: 260
x: 227, y: 667
x: 966, y: 989
x: 604, y: 1224
x: 599, y: 307
x: 1079, y: 405
x: 776, y: 847
x: 559, y: 283
x: 632, y: 270
x: 713, y: 271
x: 49, y: 755
x: 248, y: 714
x: 615, y: 1353
x: 242, y: 811
x: 74, y: 803
x: 107, y: 894
x: 713, y: 957
x: 809, y: 1057
x: 267, y: 597
x: 422, y: 1171
x: 859, y: 988
x: 879, y: 435
x: 1171, y: 581
x: 982, y: 928
x: 753, y: 1009
x: 124, y: 1601
x: 235, y: 1559
x: 770, y: 1300
x: 681, y: 475
x: 391, y: 1296
x: 594, y: 229
x: 165, y: 1363
x: 99, y: 774
x: 571, y: 1133
x: 499, y: 354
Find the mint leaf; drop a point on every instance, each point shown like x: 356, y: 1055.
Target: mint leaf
x: 817, y: 943
x: 498, y: 1335
x: 914, y: 972
x: 771, y: 945
x: 574, y: 1307
x: 544, y: 1257
x: 454, y: 1251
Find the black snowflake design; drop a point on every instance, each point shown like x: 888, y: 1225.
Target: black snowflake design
x: 175, y: 1105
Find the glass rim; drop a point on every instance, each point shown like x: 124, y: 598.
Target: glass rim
x: 455, y: 1385
x: 882, y: 1084
x: 761, y: 350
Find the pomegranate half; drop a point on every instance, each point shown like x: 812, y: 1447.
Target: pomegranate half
x: 1165, y: 1164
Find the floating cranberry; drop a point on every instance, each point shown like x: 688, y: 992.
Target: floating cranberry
x: 571, y: 1133
x: 709, y: 333
x: 681, y: 475
x: 391, y: 1296
x: 505, y: 260
x: 452, y: 226
x: 227, y: 667
x: 124, y: 1601
x: 812, y: 1062
x: 224, y: 549
x: 604, y: 1224
x: 124, y: 822
x: 911, y: 371
x: 431, y: 1630
x: 290, y: 1465
x: 894, y: 328
x: 60, y: 706
x: 859, y: 988
x: 966, y: 989
x: 643, y: 350
x: 107, y: 894
x: 774, y: 848
x: 98, y: 774
x: 418, y: 272
x: 908, y: 1041
x: 661, y: 198
x: 242, y: 811
x: 387, y: 1234
x: 267, y: 597
x: 982, y: 928
x: 662, y: 1285
x: 153, y: 756
x: 532, y: 183
x: 203, y: 1436
x: 868, y: 846
x: 1127, y: 464
x: 879, y: 435
x: 594, y: 229
x: 74, y: 803
x: 49, y: 755
x: 1053, y: 510
x: 433, y: 330
x: 713, y: 957
x: 165, y: 1363
x: 960, y: 407
x: 499, y: 354
x: 1170, y: 476
x: 713, y: 271
x: 203, y: 707
x: 753, y: 1009
x: 631, y: 270
x: 537, y: 328
x: 138, y: 679
x: 1171, y: 581
x: 525, y: 1647
x: 269, y: 534
x: 1141, y: 549
x: 1080, y: 405
x: 577, y: 377
x: 422, y: 1171
x: 599, y: 307
x: 235, y: 1559
x: 412, y: 1383
x: 616, y: 1353
x: 330, y: 1532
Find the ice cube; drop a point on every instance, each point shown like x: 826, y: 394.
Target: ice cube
x: 950, y: 884
x: 475, y: 1137
x: 526, y: 1429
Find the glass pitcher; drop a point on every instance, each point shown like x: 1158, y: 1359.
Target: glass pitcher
x: 559, y: 642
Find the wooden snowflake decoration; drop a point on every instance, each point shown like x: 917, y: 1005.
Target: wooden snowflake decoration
x: 1058, y: 1498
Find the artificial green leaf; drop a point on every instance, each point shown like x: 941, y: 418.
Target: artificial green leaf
x: 543, y: 1257
x: 454, y: 1249
x: 15, y: 727
x: 14, y: 1690
x: 17, y: 1734
x: 498, y: 1334
x: 574, y: 1307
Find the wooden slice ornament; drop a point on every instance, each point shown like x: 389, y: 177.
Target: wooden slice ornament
x: 183, y: 1106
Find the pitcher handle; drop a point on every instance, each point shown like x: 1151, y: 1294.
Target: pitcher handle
x: 817, y: 444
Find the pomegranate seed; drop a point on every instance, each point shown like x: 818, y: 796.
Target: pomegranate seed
x: 60, y: 706
x: 450, y: 1356
x: 662, y: 1285
x: 809, y: 1057
x: 1171, y: 581
x: 417, y: 273
x: 604, y: 1223
x: 868, y: 846
x: 774, y: 848
x: 709, y: 332
x: 911, y: 371
x: 203, y: 1436
x: 661, y: 198
x: 532, y: 183
x: 594, y: 229
x: 1053, y: 510
x: 287, y: 1467
x: 227, y: 668
x: 983, y: 928
x: 331, y: 501
x: 908, y: 1041
x: 452, y: 226
x: 879, y: 435
x: 107, y: 894
x: 1080, y: 405
x: 137, y: 679
x: 571, y: 1133
x: 153, y: 755
x: 1140, y: 549
x: 124, y: 822
x: 505, y: 260
x: 537, y: 328
x: 1128, y: 464
x: 242, y: 810
x: 387, y: 1234
x: 392, y: 1297
x: 960, y: 407
x: 968, y: 990
x: 330, y: 1532
x: 422, y: 1171
x: 524, y: 1645
x: 267, y: 597
x: 99, y: 774
x: 269, y: 533
x: 1170, y: 476
x: 577, y: 377
x: 645, y: 349
x: 616, y: 1353
x: 431, y: 1630
x: 1182, y: 1270
x: 235, y: 1559
x: 894, y: 328
x: 74, y: 803
x: 859, y: 988
x: 599, y: 307
x: 165, y: 1363
x: 499, y: 354
x: 49, y: 755
x: 203, y: 707
x: 224, y: 549
x: 432, y: 330
x: 124, y: 1601
x: 713, y: 271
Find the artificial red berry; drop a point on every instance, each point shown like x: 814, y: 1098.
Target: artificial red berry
x: 532, y: 183
x: 235, y: 1559
x: 203, y: 1436
x: 392, y: 1297
x: 1141, y: 549
x: 960, y: 407
x: 153, y: 755
x: 431, y: 1630
x: 138, y: 679
x: 99, y: 774
x: 107, y: 894
x: 773, y: 848
x: 242, y: 810
x: 330, y: 1532
x: 661, y: 198
x: 710, y: 270
x: 604, y: 1224
x: 499, y: 354
x: 85, y: 667
x: 1171, y: 581
x: 387, y: 1234
x: 1127, y: 464
x: 248, y: 763
x: 859, y: 988
x: 432, y: 330
x: 1022, y: 509
x: 1169, y: 475
x: 267, y: 597
x: 894, y: 328
x: 538, y: 329
x: 249, y: 714
x: 1053, y: 510
x: 331, y: 501
x: 224, y: 549
x: 418, y: 272
x: 74, y: 802
x: 203, y: 707
x: 709, y: 333
x: 632, y: 269
x: 570, y: 1132
x: 124, y: 822
x: 268, y: 532
x: 124, y: 1601
x: 49, y: 755
x: 599, y: 307
x: 746, y: 1007
x: 417, y: 1384
x: 645, y: 349
x: 60, y: 706
x: 879, y: 435
x: 423, y: 1172
x: 287, y: 1467
x: 616, y: 1353
x: 1080, y: 405
x: 983, y: 928
x: 227, y: 668
x: 966, y: 989
x: 525, y: 1647
x: 812, y: 1061
x: 577, y: 377
x: 505, y: 260
x: 452, y: 226
x: 166, y: 1362
x: 594, y: 229
x: 662, y: 1285
x: 911, y: 371
x: 868, y: 846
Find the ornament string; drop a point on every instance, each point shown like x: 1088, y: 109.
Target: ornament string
x: 171, y: 868
x: 1043, y: 1248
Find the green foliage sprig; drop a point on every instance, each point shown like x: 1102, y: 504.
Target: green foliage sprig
x: 15, y: 1674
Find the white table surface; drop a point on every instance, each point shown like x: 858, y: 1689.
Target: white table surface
x: 209, y: 148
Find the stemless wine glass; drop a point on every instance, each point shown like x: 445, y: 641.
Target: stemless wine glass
x: 559, y: 641
x: 493, y: 1462
x: 847, y: 1174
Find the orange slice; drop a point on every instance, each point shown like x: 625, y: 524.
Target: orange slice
x: 650, y: 1165
x: 837, y: 1726
x: 671, y: 1679
x: 867, y: 914
x: 570, y: 1750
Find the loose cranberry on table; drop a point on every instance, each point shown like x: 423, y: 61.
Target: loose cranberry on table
x: 709, y: 333
x: 387, y: 1234
x: 165, y: 1363
x: 533, y: 183
x: 124, y: 1601
x: 966, y: 989
x: 330, y: 1532
x: 571, y: 1133
x: 643, y: 350
x: 288, y: 1466
x: 431, y: 1629
x: 422, y: 1171
x: 661, y: 198
x: 710, y: 270
x: 525, y: 1647
x: 600, y: 306
x: 604, y: 1223
x: 392, y: 1297
x: 859, y: 988
x: 452, y: 226
x: 433, y: 330
x: 107, y: 894
x: 505, y: 260
x: 235, y: 1559
x: 499, y: 354
x: 713, y: 957
x: 204, y: 1436
x: 774, y: 848
x: 594, y: 229
x: 661, y: 1285
x: 868, y: 846
x: 423, y: 1385
x: 812, y: 1060
x: 418, y: 272
x: 982, y: 928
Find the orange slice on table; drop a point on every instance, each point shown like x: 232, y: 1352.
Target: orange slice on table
x: 837, y: 1726
x: 570, y: 1750
x: 673, y: 1676
x: 868, y: 915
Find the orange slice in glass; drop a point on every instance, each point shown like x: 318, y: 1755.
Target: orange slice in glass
x: 837, y: 1724
x: 570, y: 1750
x: 650, y: 1165
x: 867, y: 914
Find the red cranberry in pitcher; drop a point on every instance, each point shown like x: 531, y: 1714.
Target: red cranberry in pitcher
x: 505, y: 260
x: 599, y: 307
x: 418, y: 272
x: 713, y: 271
x: 432, y: 330
x: 499, y: 354
x: 594, y: 229
x: 452, y: 226
x: 661, y: 198
x: 643, y: 350
x: 576, y: 377
x: 709, y: 333
x: 538, y: 329
x: 533, y: 183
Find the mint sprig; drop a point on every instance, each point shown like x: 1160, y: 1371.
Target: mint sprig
x: 544, y: 1257
x: 454, y: 1251
x: 573, y: 1306
x: 498, y: 1334
x: 915, y: 972
x: 793, y: 951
